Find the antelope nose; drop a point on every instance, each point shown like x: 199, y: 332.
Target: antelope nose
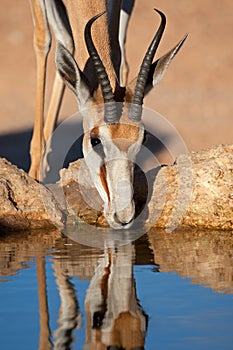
x: 124, y: 195
x: 122, y: 222
x: 124, y: 205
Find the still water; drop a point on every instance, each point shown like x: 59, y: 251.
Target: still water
x: 163, y: 291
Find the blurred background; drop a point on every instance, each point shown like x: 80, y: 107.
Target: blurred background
x: 195, y: 95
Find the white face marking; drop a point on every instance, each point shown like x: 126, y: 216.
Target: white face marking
x: 110, y: 152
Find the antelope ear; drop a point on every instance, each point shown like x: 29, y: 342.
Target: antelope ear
x: 159, y: 67
x: 71, y: 74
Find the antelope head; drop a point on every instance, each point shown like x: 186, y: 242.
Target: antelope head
x: 113, y: 136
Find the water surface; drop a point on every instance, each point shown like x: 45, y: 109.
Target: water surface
x: 164, y: 291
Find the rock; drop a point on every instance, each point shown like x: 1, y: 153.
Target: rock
x: 198, y: 190
x: 80, y: 195
x: 24, y: 203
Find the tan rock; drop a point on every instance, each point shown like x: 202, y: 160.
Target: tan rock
x: 24, y: 203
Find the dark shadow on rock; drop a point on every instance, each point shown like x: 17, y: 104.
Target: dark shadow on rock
x: 143, y: 189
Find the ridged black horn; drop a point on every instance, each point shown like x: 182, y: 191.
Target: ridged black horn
x: 110, y: 111
x: 136, y: 108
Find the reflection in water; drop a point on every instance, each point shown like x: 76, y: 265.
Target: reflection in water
x: 114, y: 318
x: 69, y: 316
x: 44, y: 341
x: 204, y: 256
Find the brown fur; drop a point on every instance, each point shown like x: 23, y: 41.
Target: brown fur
x: 80, y: 11
x: 94, y: 132
x: 102, y: 176
x: 123, y: 135
x: 124, y: 131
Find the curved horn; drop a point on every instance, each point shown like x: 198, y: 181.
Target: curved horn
x: 110, y: 111
x: 136, y: 108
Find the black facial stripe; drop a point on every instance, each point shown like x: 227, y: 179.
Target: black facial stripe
x: 97, y: 146
x: 145, y: 137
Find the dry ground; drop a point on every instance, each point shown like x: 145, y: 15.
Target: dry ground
x: 195, y: 96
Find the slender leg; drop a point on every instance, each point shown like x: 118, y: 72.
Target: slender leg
x: 59, y: 21
x: 119, y: 12
x: 42, y: 42
x: 54, y: 106
x: 126, y: 10
x: 51, y: 120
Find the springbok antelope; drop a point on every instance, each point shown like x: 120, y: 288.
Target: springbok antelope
x: 111, y: 109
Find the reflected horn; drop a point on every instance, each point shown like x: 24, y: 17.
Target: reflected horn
x: 136, y: 108
x: 110, y: 111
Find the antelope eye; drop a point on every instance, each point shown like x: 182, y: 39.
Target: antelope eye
x: 95, y: 141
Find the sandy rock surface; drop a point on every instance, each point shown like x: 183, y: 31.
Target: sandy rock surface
x: 24, y: 203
